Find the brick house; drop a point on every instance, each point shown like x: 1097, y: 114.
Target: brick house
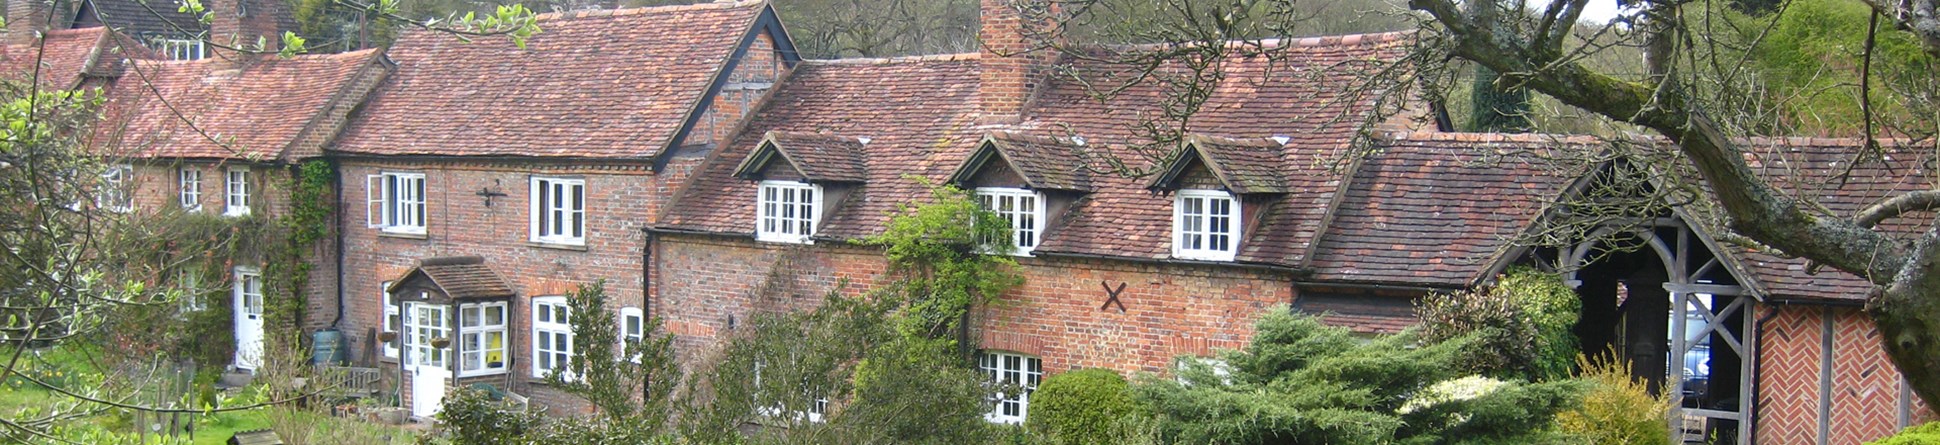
x: 1128, y: 274
x: 484, y: 182
x: 689, y: 158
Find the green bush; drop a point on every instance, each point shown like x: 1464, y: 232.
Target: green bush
x: 1925, y: 434
x: 1523, y: 324
x: 1617, y: 409
x: 1080, y: 407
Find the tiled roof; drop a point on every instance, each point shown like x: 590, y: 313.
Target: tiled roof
x: 264, y: 110
x: 143, y: 18
x: 593, y: 84
x: 1048, y: 163
x: 1299, y: 93
x: 921, y: 114
x: 819, y: 158
x: 461, y: 277
x: 1823, y: 171
x: 918, y: 115
x: 1436, y: 209
x: 70, y: 55
x: 1246, y: 166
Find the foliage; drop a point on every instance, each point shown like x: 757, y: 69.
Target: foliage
x: 1810, y: 58
x: 1923, y: 434
x: 935, y: 254
x: 1081, y: 406
x: 1617, y: 409
x: 1523, y: 323
x: 1302, y: 382
x: 471, y: 417
x: 631, y: 395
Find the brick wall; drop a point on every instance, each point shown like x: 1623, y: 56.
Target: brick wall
x: 1859, y: 398
x: 704, y: 285
x: 620, y: 197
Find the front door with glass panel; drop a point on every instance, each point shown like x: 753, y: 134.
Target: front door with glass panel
x: 247, y: 305
x: 425, y: 327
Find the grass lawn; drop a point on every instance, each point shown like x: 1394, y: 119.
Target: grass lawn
x: 216, y: 431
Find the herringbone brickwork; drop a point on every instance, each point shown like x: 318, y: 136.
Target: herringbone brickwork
x: 1788, y: 386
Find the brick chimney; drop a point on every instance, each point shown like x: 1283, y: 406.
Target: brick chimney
x: 239, y: 23
x: 1013, y: 59
x: 26, y: 18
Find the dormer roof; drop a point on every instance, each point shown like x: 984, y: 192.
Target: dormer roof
x: 1044, y: 162
x: 461, y: 278
x: 1244, y: 166
x: 817, y: 157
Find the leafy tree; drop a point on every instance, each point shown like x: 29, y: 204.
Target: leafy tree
x: 942, y: 265
x: 631, y: 383
x: 1081, y: 407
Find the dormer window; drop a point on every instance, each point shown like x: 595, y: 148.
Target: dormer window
x: 800, y: 177
x: 1205, y: 225
x: 1212, y: 180
x: 788, y: 211
x: 1023, y: 209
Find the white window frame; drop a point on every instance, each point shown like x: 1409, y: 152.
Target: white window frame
x: 1016, y: 368
x: 1193, y: 236
x: 1008, y: 202
x: 249, y: 284
x: 474, y: 339
x: 117, y: 193
x: 633, y: 329
x: 551, y: 321
x: 235, y: 187
x: 393, y: 318
x: 779, y: 212
x: 418, y: 335
x: 182, y: 49
x: 557, y: 222
x: 394, y: 202
x: 188, y: 193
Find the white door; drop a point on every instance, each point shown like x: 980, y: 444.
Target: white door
x: 248, y: 309
x: 428, y: 390
x: 428, y: 364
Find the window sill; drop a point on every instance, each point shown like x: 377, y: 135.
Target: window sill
x: 402, y: 235
x: 556, y: 246
x: 1223, y: 257
x: 804, y: 240
x: 493, y: 373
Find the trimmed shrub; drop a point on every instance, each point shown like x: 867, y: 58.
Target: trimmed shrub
x: 1080, y: 407
x: 1617, y: 409
x: 1924, y: 434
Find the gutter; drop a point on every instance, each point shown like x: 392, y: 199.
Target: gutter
x: 1373, y: 287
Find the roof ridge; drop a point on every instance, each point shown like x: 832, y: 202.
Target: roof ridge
x: 590, y: 13
x: 898, y: 59
x: 1459, y: 136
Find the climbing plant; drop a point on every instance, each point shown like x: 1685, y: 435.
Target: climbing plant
x: 945, y: 257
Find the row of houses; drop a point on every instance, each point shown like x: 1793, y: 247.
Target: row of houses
x: 692, y: 160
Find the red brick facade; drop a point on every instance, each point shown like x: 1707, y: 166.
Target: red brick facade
x: 1860, y: 397
x: 1169, y: 310
x: 459, y: 222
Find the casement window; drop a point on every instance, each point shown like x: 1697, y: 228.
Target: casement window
x: 788, y: 211
x: 1205, y: 225
x: 633, y: 329
x: 1015, y: 370
x: 235, y: 184
x: 552, y: 336
x: 392, y: 319
x: 117, y: 189
x: 422, y: 324
x: 481, y: 342
x: 394, y: 202
x: 1023, y: 209
x: 181, y: 49
x: 559, y: 211
x: 189, y: 189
